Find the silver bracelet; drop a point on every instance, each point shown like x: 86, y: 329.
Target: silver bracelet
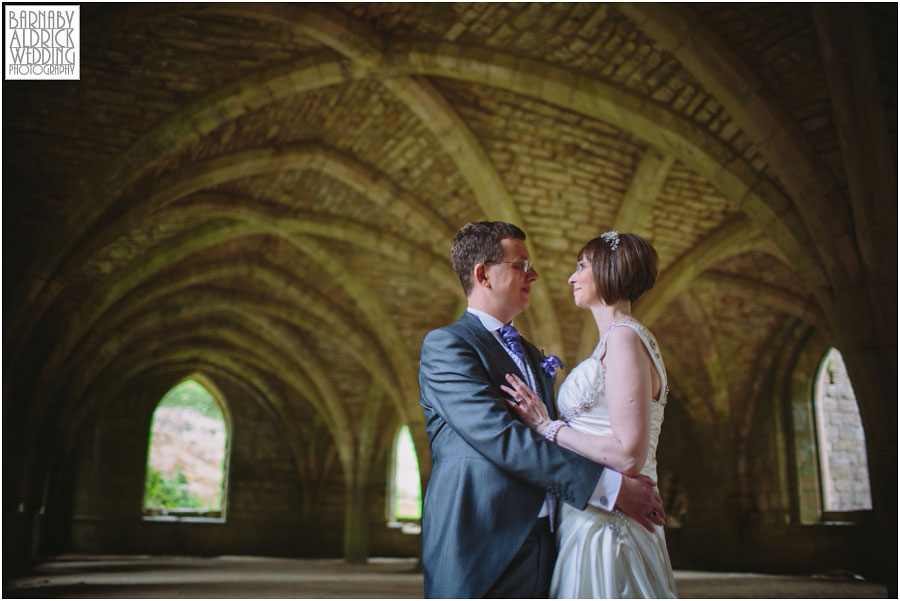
x: 553, y: 430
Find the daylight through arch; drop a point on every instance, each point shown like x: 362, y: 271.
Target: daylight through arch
x: 187, y: 452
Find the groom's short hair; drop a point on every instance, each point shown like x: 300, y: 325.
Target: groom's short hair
x: 479, y: 242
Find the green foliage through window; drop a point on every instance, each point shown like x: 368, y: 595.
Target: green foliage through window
x: 186, y: 455
x: 192, y: 395
x: 169, y: 492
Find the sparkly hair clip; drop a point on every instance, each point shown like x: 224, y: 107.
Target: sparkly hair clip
x: 613, y: 239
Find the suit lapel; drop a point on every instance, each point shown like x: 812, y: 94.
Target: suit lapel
x: 502, y: 362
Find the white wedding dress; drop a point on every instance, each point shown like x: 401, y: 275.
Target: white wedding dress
x: 601, y: 554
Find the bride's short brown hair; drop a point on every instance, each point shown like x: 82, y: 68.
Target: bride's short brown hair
x: 624, y: 265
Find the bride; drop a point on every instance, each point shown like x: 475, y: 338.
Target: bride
x: 612, y: 404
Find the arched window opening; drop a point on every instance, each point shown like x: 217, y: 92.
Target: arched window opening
x: 187, y: 455
x: 404, y: 498
x: 844, y: 472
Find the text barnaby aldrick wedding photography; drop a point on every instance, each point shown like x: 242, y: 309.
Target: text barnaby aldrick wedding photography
x: 42, y: 42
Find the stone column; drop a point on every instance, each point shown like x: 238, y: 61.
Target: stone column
x: 356, y: 503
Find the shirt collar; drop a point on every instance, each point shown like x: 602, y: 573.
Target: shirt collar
x: 490, y: 323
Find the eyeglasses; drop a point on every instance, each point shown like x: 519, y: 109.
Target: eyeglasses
x: 523, y: 266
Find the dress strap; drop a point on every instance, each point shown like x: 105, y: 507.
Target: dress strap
x: 652, y: 348
x: 600, y: 349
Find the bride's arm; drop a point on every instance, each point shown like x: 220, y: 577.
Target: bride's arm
x: 628, y: 393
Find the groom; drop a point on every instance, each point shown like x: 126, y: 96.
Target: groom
x: 486, y: 523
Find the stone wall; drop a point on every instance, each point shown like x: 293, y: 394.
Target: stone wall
x: 264, y: 491
x: 759, y: 511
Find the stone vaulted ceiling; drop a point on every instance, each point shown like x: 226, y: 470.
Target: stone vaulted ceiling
x: 269, y: 192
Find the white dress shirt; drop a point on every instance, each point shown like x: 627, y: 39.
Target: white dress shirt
x: 607, y: 490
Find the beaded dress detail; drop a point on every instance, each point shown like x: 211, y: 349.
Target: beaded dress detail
x: 602, y: 554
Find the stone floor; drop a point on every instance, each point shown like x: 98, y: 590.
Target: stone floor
x: 118, y: 576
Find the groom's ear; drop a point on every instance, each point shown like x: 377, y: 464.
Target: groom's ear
x: 479, y: 274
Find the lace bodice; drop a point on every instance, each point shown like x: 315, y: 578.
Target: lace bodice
x: 582, y: 396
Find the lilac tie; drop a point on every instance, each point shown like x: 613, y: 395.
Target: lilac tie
x: 513, y: 340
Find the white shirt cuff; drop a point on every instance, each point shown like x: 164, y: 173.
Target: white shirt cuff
x: 607, y: 491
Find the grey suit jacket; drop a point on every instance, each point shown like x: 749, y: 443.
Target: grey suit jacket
x: 491, y: 472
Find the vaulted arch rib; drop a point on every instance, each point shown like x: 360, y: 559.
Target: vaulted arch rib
x: 774, y: 296
x: 214, y: 361
x: 303, y: 308
x: 194, y: 240
x: 775, y: 134
x: 271, y: 353
x: 734, y: 237
x: 710, y: 356
x: 288, y: 223
x: 669, y: 133
x: 173, y: 186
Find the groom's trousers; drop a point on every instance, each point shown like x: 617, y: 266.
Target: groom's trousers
x: 528, y: 574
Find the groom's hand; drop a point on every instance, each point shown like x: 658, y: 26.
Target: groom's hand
x: 639, y: 499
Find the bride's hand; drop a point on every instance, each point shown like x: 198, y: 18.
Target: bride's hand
x: 529, y: 406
